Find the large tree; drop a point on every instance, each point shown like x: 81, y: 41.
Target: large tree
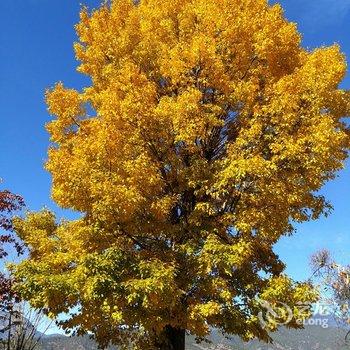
x: 206, y: 132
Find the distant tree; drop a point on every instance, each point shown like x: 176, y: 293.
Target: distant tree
x: 19, y: 327
x: 334, y: 282
x: 9, y: 297
x: 9, y: 203
x: 206, y: 132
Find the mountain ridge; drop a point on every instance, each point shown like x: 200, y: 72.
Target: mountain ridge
x: 309, y: 338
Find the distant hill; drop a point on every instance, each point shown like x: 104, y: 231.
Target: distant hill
x: 310, y: 338
x: 61, y: 342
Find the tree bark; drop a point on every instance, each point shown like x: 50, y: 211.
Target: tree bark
x: 171, y: 339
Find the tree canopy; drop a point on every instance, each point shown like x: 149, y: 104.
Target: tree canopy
x: 206, y: 132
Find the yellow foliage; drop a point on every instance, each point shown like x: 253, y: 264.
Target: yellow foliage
x: 207, y: 130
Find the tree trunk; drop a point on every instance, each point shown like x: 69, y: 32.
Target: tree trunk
x: 171, y: 339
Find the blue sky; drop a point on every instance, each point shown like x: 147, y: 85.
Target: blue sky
x: 322, y: 22
x: 36, y: 40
